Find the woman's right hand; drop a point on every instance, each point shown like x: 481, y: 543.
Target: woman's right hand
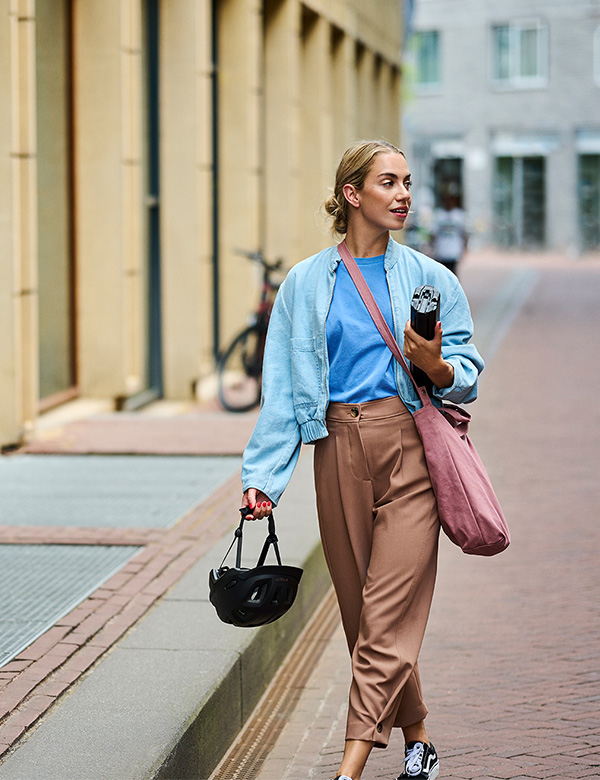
x: 258, y: 502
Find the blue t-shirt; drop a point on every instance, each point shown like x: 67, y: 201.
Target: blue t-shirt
x: 361, y: 365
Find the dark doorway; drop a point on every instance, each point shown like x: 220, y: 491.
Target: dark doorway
x: 589, y: 200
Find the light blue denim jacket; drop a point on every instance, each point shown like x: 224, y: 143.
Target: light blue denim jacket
x: 295, y: 392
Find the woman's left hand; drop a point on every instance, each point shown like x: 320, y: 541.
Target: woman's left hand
x: 427, y: 355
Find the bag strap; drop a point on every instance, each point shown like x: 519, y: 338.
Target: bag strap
x: 376, y: 315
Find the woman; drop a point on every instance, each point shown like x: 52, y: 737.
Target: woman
x: 329, y: 379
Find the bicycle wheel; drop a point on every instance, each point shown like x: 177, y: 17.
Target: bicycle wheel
x: 239, y: 371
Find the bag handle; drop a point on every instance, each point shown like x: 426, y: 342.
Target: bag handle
x: 376, y: 315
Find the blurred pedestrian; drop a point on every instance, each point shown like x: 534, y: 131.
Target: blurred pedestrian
x: 329, y: 379
x: 449, y: 232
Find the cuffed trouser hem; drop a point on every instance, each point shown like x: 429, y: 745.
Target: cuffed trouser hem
x: 380, y: 738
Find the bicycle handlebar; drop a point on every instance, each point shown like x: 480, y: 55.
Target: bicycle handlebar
x: 258, y: 257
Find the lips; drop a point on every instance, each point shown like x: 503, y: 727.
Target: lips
x: 402, y: 212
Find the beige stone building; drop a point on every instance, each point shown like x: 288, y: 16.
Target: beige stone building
x: 141, y: 143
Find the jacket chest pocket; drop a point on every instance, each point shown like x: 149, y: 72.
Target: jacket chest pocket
x: 306, y: 374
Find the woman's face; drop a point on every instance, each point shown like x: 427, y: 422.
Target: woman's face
x: 384, y: 200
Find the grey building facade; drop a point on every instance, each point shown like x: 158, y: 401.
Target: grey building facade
x: 503, y: 106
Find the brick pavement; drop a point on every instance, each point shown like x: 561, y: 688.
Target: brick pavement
x: 511, y: 659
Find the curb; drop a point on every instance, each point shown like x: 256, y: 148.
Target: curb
x: 230, y: 702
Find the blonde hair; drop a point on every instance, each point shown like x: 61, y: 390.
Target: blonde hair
x: 353, y: 168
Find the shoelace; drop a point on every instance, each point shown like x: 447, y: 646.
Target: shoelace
x: 414, y: 759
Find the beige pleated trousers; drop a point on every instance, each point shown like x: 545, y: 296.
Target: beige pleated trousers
x: 380, y: 529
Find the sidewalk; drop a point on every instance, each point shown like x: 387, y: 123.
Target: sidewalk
x: 140, y: 679
x: 142, y: 669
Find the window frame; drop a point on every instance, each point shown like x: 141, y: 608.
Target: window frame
x: 427, y: 87
x: 515, y: 79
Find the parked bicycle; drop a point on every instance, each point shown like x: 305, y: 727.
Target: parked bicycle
x: 239, y: 369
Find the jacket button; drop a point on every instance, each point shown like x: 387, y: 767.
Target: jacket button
x: 354, y: 412
x: 379, y: 728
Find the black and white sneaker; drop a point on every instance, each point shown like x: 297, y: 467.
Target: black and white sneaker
x: 421, y: 762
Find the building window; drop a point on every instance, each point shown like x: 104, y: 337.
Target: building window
x: 589, y: 200
x: 519, y: 54
x: 427, y: 59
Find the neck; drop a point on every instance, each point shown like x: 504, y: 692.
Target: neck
x: 362, y: 245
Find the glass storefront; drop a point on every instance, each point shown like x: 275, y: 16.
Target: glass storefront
x: 589, y: 200
x: 519, y: 202
x: 54, y: 169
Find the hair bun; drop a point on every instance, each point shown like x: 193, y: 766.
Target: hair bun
x: 332, y: 205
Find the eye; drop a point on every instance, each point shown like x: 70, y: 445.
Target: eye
x: 388, y: 183
x: 408, y: 184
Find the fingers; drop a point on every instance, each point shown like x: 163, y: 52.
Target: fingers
x: 422, y: 352
x: 262, y: 509
x: 249, y: 497
x: 411, y: 334
x: 258, y: 502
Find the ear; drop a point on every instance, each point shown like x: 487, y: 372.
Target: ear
x: 351, y: 194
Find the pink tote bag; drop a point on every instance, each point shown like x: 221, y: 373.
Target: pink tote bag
x: 469, y: 511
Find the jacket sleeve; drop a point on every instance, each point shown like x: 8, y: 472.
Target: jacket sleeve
x: 273, y: 449
x: 457, y: 326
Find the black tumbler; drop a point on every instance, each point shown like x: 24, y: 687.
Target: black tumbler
x: 424, y: 313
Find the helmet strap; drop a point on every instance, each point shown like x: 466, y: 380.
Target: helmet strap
x: 271, y: 540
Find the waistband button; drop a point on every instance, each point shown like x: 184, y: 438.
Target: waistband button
x: 354, y: 412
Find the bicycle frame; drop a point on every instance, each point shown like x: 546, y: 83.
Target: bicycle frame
x: 239, y: 370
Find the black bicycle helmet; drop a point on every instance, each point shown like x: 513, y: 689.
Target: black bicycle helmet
x: 253, y: 597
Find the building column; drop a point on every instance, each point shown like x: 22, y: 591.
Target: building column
x: 317, y: 132
x: 282, y: 130
x: 186, y: 194
x: 367, y: 120
x: 239, y: 45
x: 478, y: 176
x: 109, y: 241
x: 18, y: 233
x: 390, y: 103
x: 561, y: 185
x: 344, y: 92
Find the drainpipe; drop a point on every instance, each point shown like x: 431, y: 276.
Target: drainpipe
x: 215, y: 173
